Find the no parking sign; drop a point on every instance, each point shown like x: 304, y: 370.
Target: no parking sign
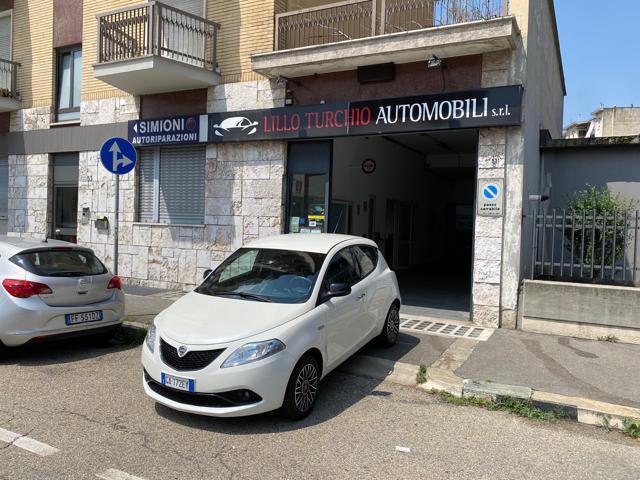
x: 490, y: 197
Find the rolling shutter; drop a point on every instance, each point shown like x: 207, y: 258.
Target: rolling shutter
x: 4, y: 188
x: 194, y: 7
x: 182, y: 185
x: 5, y: 37
x: 146, y: 185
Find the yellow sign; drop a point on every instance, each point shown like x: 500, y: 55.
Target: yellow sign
x: 316, y: 217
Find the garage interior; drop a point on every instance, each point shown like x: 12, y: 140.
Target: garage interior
x: 413, y: 194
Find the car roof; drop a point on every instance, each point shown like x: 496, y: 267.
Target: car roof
x: 10, y: 246
x: 307, y: 242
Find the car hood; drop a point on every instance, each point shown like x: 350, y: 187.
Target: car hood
x: 198, y: 319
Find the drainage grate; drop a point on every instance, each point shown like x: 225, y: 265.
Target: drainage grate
x: 446, y: 329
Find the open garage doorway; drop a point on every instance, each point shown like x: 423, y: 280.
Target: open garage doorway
x: 414, y: 195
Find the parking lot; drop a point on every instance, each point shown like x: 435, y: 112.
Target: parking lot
x: 81, y: 413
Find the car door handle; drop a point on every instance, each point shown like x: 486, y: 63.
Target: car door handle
x: 361, y: 296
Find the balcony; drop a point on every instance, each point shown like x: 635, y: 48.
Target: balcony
x: 344, y: 35
x: 9, y: 98
x: 155, y: 48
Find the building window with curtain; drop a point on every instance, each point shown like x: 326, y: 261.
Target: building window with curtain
x: 69, y: 82
x: 171, y: 185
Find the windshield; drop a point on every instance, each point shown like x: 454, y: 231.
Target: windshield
x: 279, y: 276
x: 60, y: 263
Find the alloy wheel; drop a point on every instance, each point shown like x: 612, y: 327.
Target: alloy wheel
x: 306, y: 387
x: 393, y: 325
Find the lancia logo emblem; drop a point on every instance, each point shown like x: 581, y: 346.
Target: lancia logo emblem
x: 182, y: 351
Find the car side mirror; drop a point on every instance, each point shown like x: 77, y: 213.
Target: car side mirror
x: 338, y: 290
x: 206, y: 273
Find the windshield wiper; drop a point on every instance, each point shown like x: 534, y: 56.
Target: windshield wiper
x: 249, y: 296
x: 68, y: 274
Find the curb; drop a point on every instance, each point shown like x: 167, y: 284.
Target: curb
x: 579, y: 409
x: 582, y: 410
x: 134, y: 325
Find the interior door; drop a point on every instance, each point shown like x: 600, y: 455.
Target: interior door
x: 308, y: 187
x: 404, y: 234
x: 65, y: 197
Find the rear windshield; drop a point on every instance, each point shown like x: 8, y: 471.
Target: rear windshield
x: 60, y: 263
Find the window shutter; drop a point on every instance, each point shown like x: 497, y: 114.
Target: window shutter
x: 5, y: 37
x: 4, y: 188
x: 194, y: 7
x: 182, y: 185
x: 146, y: 185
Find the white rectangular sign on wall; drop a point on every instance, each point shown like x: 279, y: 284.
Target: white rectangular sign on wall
x: 490, y: 197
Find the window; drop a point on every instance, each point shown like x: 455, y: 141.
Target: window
x: 4, y: 188
x: 171, y: 185
x: 278, y: 276
x: 342, y: 269
x: 69, y: 83
x: 367, y: 258
x: 60, y: 263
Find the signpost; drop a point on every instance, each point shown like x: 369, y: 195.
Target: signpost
x: 119, y: 157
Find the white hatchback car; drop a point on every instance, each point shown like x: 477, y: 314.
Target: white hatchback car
x: 54, y: 290
x: 269, y: 323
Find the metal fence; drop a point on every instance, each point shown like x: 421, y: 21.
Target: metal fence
x: 585, y: 246
x: 352, y: 19
x: 157, y: 29
x: 8, y: 72
x: 329, y: 23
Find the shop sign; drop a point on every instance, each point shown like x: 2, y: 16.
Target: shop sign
x: 183, y: 130
x: 489, y: 107
x: 490, y: 197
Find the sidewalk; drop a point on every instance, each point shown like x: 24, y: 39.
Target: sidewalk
x: 598, y: 378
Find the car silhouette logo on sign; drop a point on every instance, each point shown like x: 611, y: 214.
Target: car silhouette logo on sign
x: 182, y: 351
x: 238, y: 124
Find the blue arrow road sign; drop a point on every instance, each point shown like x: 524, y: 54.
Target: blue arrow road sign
x: 491, y: 191
x: 118, y: 156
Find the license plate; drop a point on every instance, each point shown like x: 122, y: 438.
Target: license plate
x: 179, y: 383
x: 75, y: 318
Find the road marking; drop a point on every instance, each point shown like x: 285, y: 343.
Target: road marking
x: 113, y: 474
x: 26, y: 443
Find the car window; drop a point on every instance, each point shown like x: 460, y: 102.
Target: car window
x: 367, y: 258
x: 60, y: 263
x: 342, y: 269
x: 279, y: 276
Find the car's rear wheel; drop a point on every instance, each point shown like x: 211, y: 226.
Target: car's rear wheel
x: 391, y: 328
x: 302, y: 389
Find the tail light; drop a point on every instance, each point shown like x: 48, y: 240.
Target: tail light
x: 115, y: 282
x: 25, y: 289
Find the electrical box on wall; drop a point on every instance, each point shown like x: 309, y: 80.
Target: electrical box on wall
x: 85, y: 216
x: 102, y: 223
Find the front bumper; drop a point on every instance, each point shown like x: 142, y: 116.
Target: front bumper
x: 27, y: 320
x: 267, y: 379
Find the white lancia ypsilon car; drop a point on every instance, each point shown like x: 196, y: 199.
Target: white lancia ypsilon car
x: 52, y: 289
x: 269, y: 323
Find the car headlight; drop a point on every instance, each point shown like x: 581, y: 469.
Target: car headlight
x: 252, y: 352
x: 150, y: 340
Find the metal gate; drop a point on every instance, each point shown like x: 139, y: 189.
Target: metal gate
x: 585, y: 246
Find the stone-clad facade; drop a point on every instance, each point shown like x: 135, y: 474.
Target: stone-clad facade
x: 243, y: 197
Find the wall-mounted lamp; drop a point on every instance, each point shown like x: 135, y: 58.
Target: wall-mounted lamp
x: 434, y: 62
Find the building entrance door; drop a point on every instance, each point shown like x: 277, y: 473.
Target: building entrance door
x: 308, y: 187
x: 65, y: 197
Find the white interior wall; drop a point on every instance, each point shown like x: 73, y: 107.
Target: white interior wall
x: 400, y: 175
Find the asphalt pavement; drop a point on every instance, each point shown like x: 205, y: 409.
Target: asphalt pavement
x: 87, y: 403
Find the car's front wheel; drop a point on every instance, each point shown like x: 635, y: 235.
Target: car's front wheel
x: 302, y: 389
x: 391, y: 328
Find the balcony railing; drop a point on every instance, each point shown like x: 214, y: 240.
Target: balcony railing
x: 157, y: 29
x: 8, y: 72
x: 353, y: 19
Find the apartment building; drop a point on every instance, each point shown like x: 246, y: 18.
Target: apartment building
x: 607, y: 122
x: 413, y: 122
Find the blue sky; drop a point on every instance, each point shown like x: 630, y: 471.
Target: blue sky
x: 600, y: 44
